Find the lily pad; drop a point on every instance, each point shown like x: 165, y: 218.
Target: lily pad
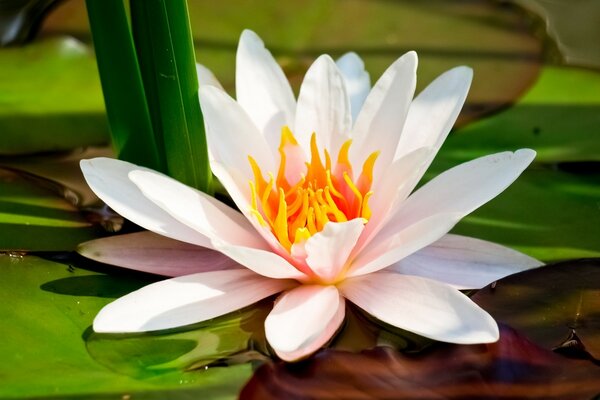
x: 33, y: 217
x: 551, y: 303
x: 511, y: 368
x: 558, y: 117
x: 47, y: 309
x: 50, y: 98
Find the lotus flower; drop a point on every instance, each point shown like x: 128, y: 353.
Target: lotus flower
x: 323, y: 186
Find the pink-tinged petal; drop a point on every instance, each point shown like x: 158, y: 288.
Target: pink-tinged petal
x: 463, y: 188
x: 109, y: 180
x: 391, y: 190
x: 381, y: 120
x: 425, y: 307
x: 206, y: 77
x: 357, y: 80
x: 383, y: 253
x: 148, y: 252
x: 328, y: 250
x: 439, y: 205
x: 197, y: 210
x: 464, y: 262
x: 238, y: 188
x: 186, y: 300
x: 303, y: 320
x: 323, y: 107
x: 231, y: 134
x: 263, y: 262
x: 262, y: 88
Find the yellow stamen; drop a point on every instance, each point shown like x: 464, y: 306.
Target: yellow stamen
x: 325, y: 193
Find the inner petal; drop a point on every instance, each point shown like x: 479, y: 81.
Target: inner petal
x: 296, y: 209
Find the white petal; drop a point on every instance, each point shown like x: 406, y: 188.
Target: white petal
x: 262, y: 88
x: 463, y: 188
x: 197, y: 210
x: 323, y: 107
x: 109, y: 179
x: 148, y: 252
x: 434, y: 111
x: 303, y: 320
x: 186, y: 300
x: 383, y: 253
x: 328, y: 250
x: 206, y: 77
x: 381, y: 120
x: 238, y: 188
x: 357, y: 80
x: 391, y: 190
x: 464, y: 262
x: 422, y: 306
x: 231, y: 135
x: 435, y: 208
x: 262, y: 262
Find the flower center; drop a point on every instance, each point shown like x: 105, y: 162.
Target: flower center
x: 297, y: 210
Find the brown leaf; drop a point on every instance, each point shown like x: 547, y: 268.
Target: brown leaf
x: 512, y: 368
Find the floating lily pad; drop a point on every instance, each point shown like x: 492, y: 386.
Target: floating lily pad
x: 47, y: 309
x: 512, y: 368
x: 550, y: 303
x: 33, y: 217
x: 50, y: 98
x: 559, y: 118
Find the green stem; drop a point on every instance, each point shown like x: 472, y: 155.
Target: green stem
x: 164, y: 44
x: 124, y: 97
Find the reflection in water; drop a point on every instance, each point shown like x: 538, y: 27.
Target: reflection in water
x: 229, y: 340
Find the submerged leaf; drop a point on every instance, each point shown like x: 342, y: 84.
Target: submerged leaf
x: 509, y: 369
x: 555, y: 306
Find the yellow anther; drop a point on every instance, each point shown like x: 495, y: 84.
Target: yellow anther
x: 297, y: 210
x: 301, y: 235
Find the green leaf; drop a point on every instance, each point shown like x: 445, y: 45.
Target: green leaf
x: 165, y: 48
x: 126, y: 107
x: 558, y: 117
x: 51, y: 98
x: 47, y: 350
x: 34, y: 217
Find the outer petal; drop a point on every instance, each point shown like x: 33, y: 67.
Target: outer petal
x: 238, y: 188
x: 384, y: 253
x: 206, y: 77
x: 463, y: 188
x: 148, y: 252
x: 464, y: 262
x: 357, y: 80
x: 229, y: 230
x: 232, y: 136
x: 303, y: 320
x: 185, y: 300
x: 262, y: 88
x: 195, y: 209
x: 323, y: 107
x: 422, y: 306
x: 109, y: 179
x: 441, y: 203
x: 434, y: 111
x: 328, y: 251
x: 262, y: 262
x: 381, y: 120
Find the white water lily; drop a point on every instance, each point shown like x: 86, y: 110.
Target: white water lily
x: 324, y: 187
